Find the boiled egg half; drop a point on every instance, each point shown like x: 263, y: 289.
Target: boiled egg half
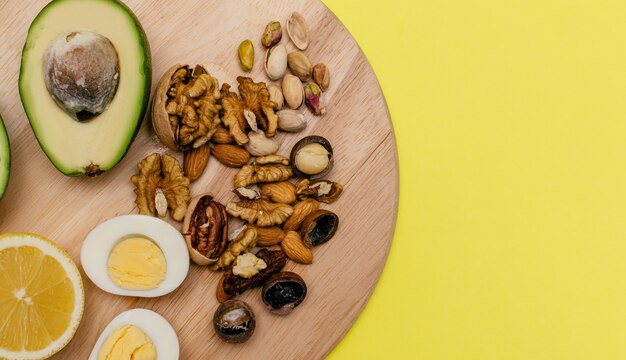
x: 135, y: 255
x: 137, y: 334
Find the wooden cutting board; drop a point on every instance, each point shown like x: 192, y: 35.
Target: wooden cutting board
x: 345, y: 270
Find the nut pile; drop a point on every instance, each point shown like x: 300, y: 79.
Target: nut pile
x: 283, y: 220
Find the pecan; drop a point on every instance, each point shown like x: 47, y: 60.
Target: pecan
x: 235, y: 285
x: 205, y: 229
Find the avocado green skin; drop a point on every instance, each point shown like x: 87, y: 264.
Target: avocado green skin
x: 147, y: 75
x: 4, y: 182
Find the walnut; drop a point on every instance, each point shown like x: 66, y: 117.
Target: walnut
x: 247, y: 265
x: 272, y: 160
x: 233, y: 115
x: 260, y: 212
x: 256, y: 98
x: 159, y: 185
x: 253, y: 174
x: 244, y: 241
x: 232, y: 284
x: 321, y: 190
x: 193, y: 107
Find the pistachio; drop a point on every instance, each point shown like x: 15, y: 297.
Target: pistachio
x: 321, y: 76
x: 291, y: 120
x: 261, y: 145
x: 276, y: 95
x: 292, y: 91
x: 272, y: 35
x: 276, y: 62
x: 299, y: 65
x: 298, y: 31
x: 313, y: 99
x: 246, y: 55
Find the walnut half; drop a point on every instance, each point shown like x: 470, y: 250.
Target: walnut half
x: 159, y: 185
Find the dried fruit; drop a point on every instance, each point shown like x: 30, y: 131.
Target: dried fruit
x: 234, y: 285
x: 283, y: 292
x: 254, y: 174
x: 268, y: 236
x: 314, y: 100
x: 276, y: 62
x: 312, y: 157
x: 231, y: 155
x: 321, y: 76
x: 300, y: 211
x: 205, y: 229
x: 234, y: 321
x: 300, y: 65
x: 260, y: 212
x: 293, y: 91
x: 261, y: 145
x: 295, y: 249
x: 233, y: 116
x: 276, y: 95
x: 162, y: 173
x: 185, y: 111
x: 272, y: 35
x: 195, y: 161
x: 256, y: 98
x: 319, y: 227
x: 222, y: 136
x: 247, y: 265
x: 321, y: 190
x: 291, y: 120
x: 244, y: 241
x: 246, y: 55
x: 298, y: 31
x: 272, y: 159
x: 279, y: 192
x: 220, y: 294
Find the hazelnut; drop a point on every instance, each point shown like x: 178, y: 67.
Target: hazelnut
x: 312, y: 157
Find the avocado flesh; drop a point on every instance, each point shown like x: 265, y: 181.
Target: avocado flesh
x: 5, y: 158
x: 92, y: 147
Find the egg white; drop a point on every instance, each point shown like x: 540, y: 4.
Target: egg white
x: 100, y: 241
x: 154, y: 325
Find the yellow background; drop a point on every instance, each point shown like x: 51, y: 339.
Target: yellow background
x: 510, y: 117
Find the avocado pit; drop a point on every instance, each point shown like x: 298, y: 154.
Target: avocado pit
x: 81, y: 72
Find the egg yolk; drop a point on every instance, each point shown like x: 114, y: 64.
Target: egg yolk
x: 128, y: 343
x: 137, y: 264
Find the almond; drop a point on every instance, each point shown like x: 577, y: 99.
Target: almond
x: 295, y: 249
x: 222, y: 136
x: 195, y: 161
x: 269, y: 236
x: 231, y: 155
x: 279, y: 192
x: 300, y: 211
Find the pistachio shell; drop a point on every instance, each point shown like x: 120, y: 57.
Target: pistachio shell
x: 276, y: 95
x: 298, y: 31
x: 291, y: 120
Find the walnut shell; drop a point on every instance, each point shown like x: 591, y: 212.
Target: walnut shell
x: 207, y: 241
x: 160, y: 117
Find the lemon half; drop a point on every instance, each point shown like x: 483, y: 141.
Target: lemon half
x: 41, y: 297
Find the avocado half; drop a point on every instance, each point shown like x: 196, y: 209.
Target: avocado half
x: 5, y: 158
x: 96, y: 145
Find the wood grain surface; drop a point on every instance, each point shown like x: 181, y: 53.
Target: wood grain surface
x: 345, y: 270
